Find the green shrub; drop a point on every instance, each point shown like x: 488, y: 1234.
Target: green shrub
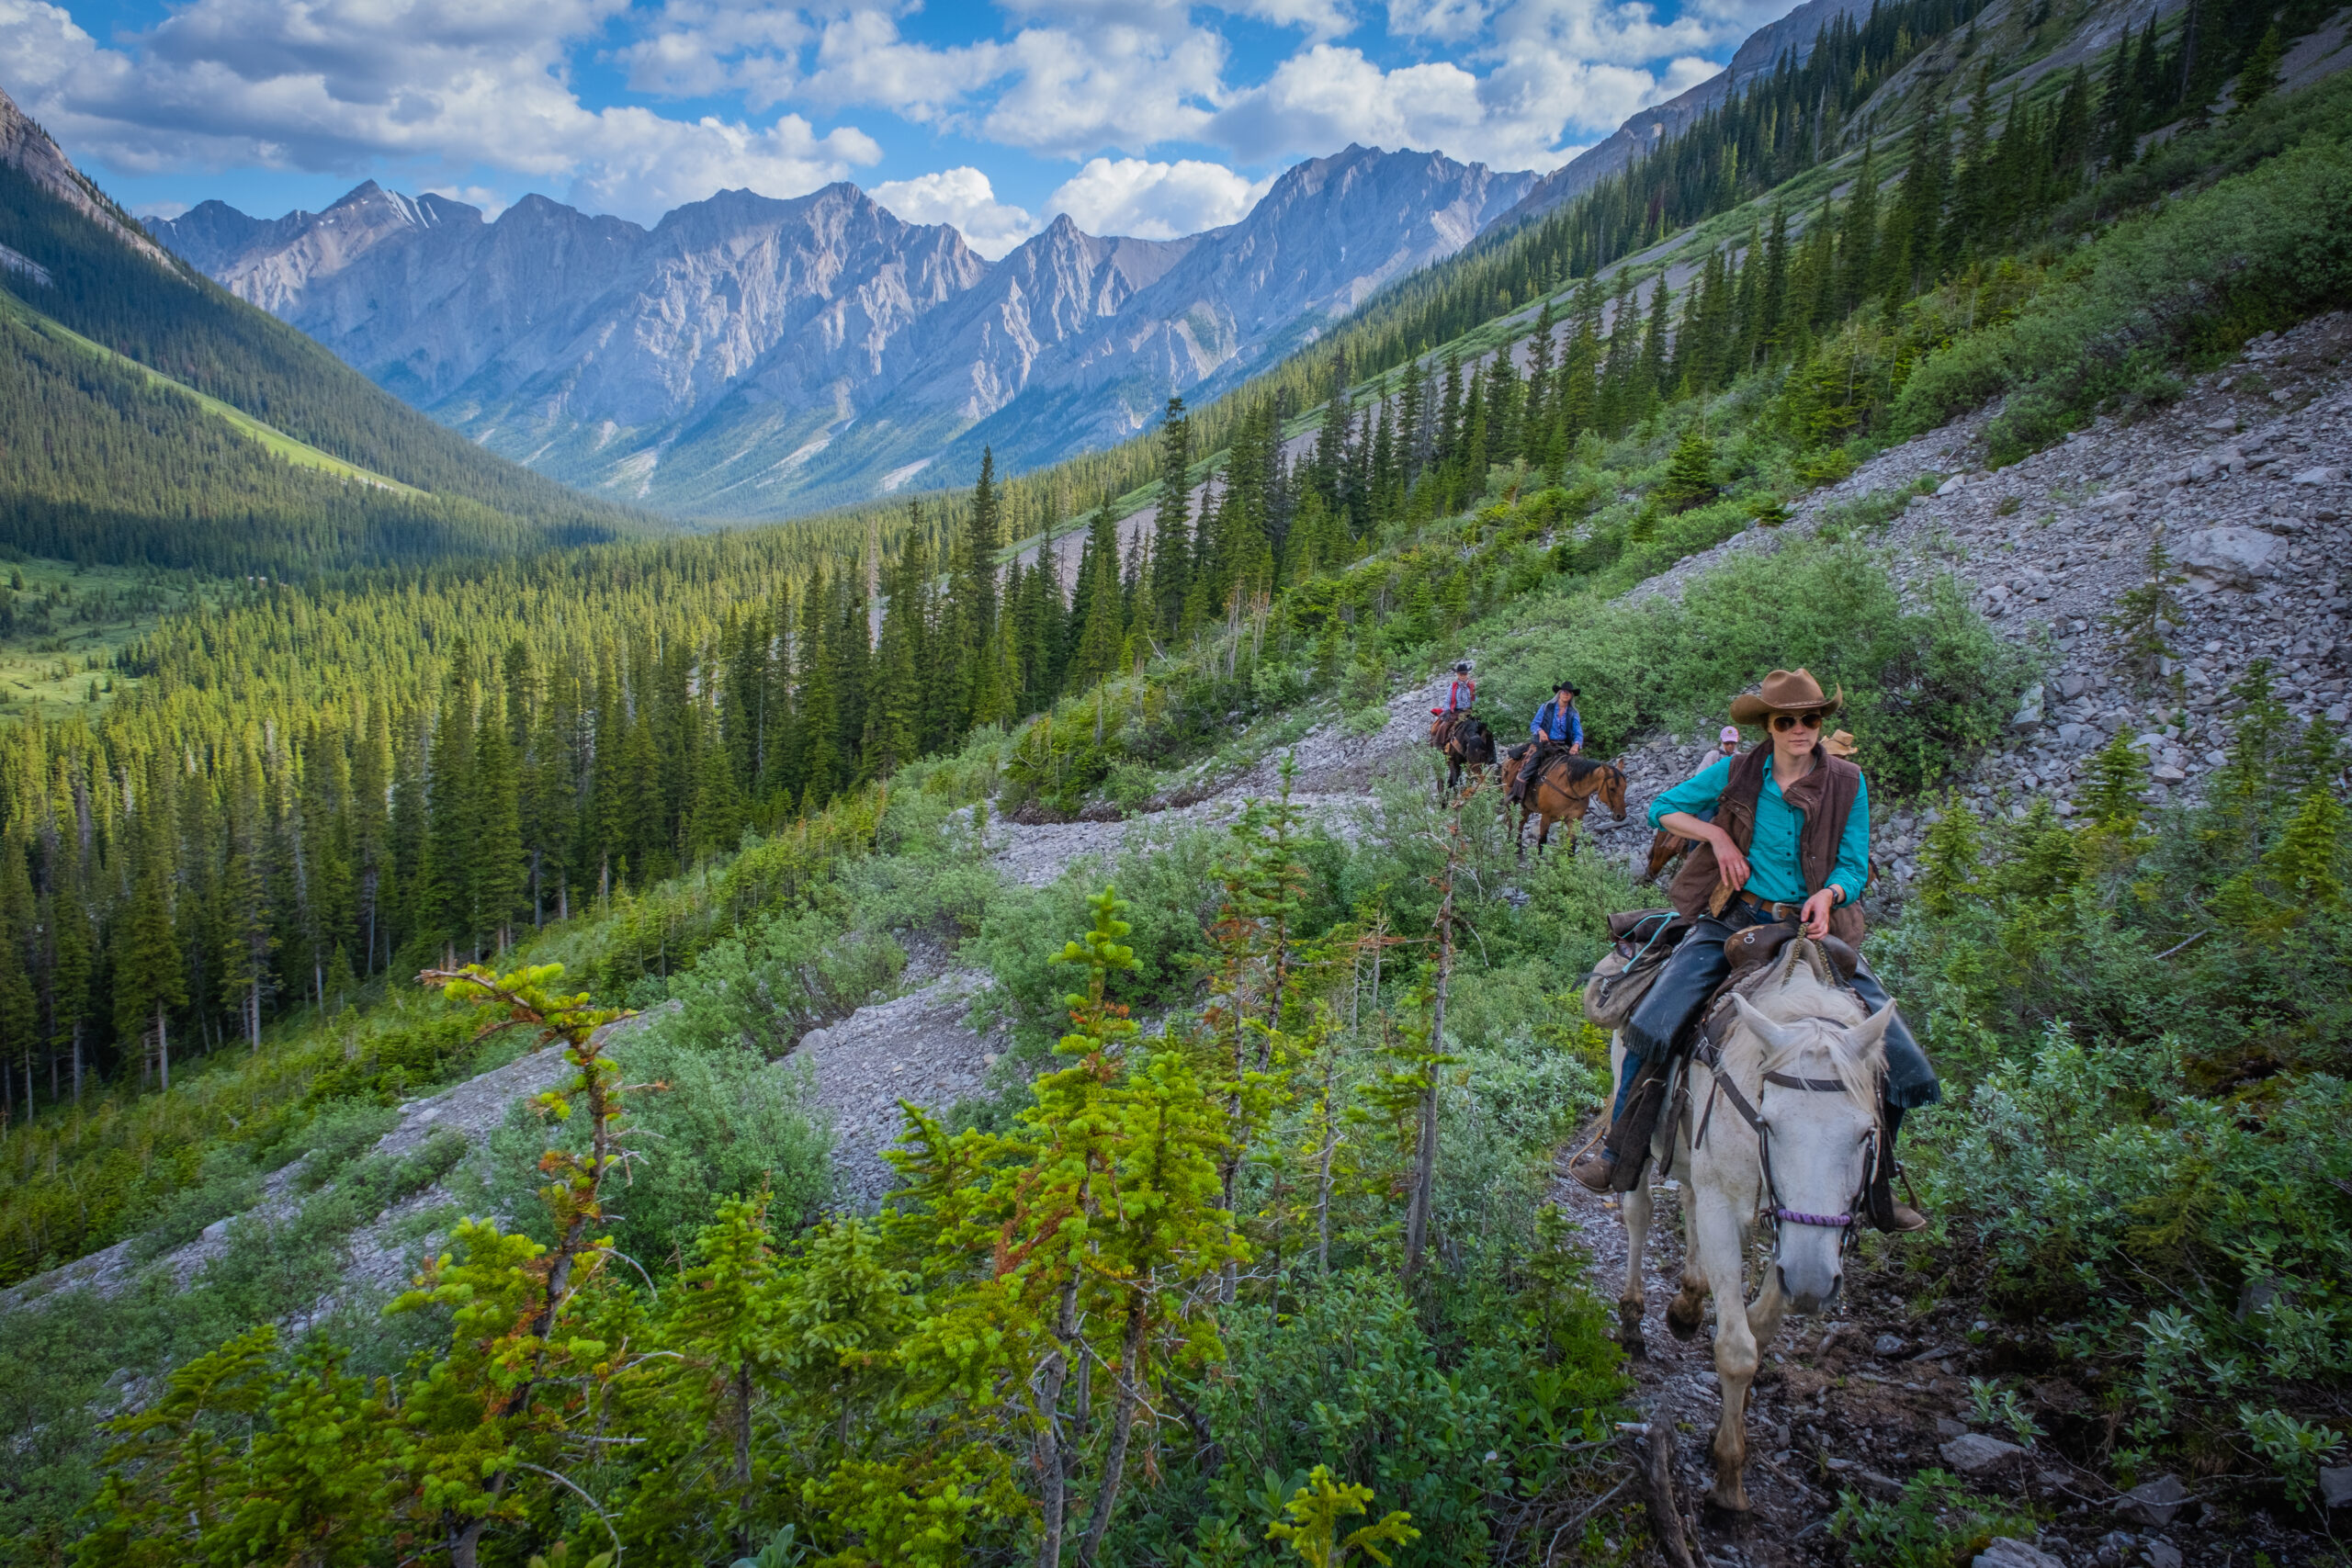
x: 1346, y: 1374
x: 2141, y: 1022
x: 724, y: 1122
x: 1936, y: 1523
x: 782, y: 976
x: 1926, y: 686
x: 2210, y: 268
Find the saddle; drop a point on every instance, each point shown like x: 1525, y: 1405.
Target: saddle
x: 1644, y: 938
x: 1759, y: 944
x: 1662, y: 1078
x: 1750, y: 952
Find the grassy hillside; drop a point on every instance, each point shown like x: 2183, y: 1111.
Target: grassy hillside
x: 64, y: 628
x: 153, y: 418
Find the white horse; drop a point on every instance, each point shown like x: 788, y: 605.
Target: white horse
x: 1782, y: 1126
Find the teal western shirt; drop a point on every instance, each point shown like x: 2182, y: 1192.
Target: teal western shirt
x: 1772, y: 869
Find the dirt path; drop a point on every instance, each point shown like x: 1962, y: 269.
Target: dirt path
x: 1856, y: 1402
x: 1332, y: 783
x: 1865, y: 1399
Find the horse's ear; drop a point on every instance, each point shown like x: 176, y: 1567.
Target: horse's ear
x: 1778, y: 1036
x: 1871, y: 1033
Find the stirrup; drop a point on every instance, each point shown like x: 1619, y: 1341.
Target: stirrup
x: 1595, y: 1170
x: 1890, y: 1217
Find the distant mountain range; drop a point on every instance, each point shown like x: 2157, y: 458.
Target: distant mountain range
x: 149, y: 417
x: 751, y: 358
x: 748, y: 356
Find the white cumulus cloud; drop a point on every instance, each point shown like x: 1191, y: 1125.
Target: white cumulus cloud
x: 1154, y: 201
x: 338, y: 86
x: 1114, y: 86
x: 962, y: 196
x: 697, y: 47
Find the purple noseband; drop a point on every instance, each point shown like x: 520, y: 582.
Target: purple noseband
x: 1827, y: 1221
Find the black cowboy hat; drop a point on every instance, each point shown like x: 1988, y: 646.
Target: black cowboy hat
x: 1567, y: 686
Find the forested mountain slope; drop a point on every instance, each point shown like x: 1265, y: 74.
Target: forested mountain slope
x: 106, y: 461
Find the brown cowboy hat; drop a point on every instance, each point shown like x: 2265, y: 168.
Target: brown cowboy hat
x: 1840, y: 744
x: 1784, y: 691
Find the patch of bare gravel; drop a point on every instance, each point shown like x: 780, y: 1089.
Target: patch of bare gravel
x: 920, y: 1048
x: 1335, y: 771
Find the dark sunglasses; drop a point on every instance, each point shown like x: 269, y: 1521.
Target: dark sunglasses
x: 1791, y: 720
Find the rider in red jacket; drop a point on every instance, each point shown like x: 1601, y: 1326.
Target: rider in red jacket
x: 1459, y: 695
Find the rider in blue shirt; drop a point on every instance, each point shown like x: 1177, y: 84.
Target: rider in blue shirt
x: 1555, y: 723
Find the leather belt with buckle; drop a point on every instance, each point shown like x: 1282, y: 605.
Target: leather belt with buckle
x: 1772, y: 909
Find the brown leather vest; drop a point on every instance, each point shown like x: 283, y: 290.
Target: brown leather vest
x: 1826, y: 797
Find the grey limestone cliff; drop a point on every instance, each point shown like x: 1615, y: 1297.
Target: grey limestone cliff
x: 748, y: 356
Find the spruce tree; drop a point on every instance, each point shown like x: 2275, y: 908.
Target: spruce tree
x: 1535, y: 413
x: 1650, y: 385
x: 72, y: 945
x: 501, y: 876
x: 1096, y: 655
x: 1690, y: 474
x: 445, y: 899
x: 1858, y: 237
x: 2118, y: 106
x: 1971, y: 186
x: 1171, y: 528
x: 1772, y: 292
x: 970, y: 614
x: 246, y: 940
x: 22, y: 1039
x: 2258, y: 78
x: 896, y: 712
x: 150, y: 983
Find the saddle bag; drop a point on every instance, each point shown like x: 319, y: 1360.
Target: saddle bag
x: 1625, y: 974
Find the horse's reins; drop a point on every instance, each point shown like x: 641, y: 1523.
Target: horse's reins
x: 1599, y: 774
x: 1711, y: 1057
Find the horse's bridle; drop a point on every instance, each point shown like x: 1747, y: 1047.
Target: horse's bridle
x: 1775, y: 1213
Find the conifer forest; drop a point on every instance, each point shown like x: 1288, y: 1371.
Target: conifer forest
x: 397, y: 764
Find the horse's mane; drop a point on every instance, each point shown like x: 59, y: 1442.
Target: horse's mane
x: 1579, y: 766
x: 1795, y: 989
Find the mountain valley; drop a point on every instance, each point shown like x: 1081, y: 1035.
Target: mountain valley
x: 751, y: 358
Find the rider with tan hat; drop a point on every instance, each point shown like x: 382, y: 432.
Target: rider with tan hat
x: 1788, y: 841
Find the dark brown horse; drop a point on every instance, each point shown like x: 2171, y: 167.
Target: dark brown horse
x: 1563, y: 792
x: 1664, y: 850
x: 1467, y: 742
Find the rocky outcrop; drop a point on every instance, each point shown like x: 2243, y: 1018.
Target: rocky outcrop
x: 747, y: 356
x: 27, y: 149
x: 2244, y: 483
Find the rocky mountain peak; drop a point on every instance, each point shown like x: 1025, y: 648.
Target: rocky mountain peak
x: 31, y: 152
x: 819, y: 344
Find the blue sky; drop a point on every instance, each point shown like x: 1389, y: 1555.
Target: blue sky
x: 1145, y: 117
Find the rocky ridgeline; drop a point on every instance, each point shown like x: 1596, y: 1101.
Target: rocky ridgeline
x: 2243, y: 481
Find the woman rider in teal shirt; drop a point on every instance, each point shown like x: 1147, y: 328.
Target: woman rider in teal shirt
x: 1769, y: 883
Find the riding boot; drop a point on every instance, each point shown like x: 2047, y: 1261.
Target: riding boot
x: 1616, y: 1165
x: 1886, y: 1213
x: 1538, y: 754
x: 1596, y: 1168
